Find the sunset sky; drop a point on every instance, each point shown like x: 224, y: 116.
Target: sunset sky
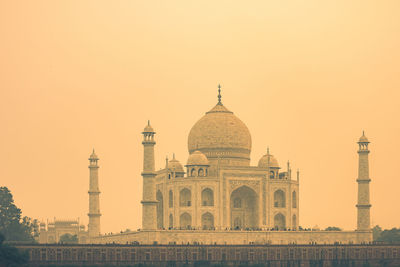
x: 306, y: 77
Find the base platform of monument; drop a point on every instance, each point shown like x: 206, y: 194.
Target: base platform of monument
x: 235, y: 237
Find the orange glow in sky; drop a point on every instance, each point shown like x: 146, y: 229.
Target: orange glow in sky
x: 306, y: 77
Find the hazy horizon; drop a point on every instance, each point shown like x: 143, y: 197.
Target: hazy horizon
x: 306, y: 79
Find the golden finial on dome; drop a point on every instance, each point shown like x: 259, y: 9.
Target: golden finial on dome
x: 219, y: 95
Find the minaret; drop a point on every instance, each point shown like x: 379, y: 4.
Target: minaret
x: 149, y: 202
x: 94, y: 203
x: 363, y: 205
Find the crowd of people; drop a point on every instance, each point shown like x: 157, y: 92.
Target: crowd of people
x: 237, y: 229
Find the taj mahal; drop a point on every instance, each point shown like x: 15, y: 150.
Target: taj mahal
x: 217, y: 197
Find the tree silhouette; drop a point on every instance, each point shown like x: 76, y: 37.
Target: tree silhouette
x: 11, y: 225
x: 10, y: 256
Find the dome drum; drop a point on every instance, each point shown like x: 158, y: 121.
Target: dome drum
x: 227, y: 157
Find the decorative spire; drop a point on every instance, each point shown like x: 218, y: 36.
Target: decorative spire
x: 267, y: 150
x: 363, y: 139
x: 93, y: 156
x: 173, y: 156
x: 219, y: 95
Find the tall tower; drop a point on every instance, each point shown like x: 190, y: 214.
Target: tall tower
x: 363, y: 205
x: 94, y: 203
x: 149, y: 202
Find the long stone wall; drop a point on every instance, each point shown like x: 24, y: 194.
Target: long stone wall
x: 203, y: 255
x: 237, y: 237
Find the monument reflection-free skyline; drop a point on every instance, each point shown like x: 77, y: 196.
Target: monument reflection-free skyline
x: 221, y: 198
x: 306, y: 78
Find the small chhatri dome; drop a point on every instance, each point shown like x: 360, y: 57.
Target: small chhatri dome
x: 175, y: 165
x: 93, y: 155
x: 220, y: 134
x: 148, y: 128
x: 363, y: 139
x: 197, y: 158
x: 263, y: 162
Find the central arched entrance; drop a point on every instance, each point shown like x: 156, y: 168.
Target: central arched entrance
x: 244, y: 208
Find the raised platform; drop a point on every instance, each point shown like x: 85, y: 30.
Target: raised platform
x: 236, y: 237
x: 206, y: 255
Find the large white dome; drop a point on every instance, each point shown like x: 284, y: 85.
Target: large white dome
x: 220, y: 134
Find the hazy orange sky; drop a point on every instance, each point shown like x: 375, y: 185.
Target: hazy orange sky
x: 305, y: 76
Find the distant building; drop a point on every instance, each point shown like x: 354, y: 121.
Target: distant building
x: 51, y: 232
